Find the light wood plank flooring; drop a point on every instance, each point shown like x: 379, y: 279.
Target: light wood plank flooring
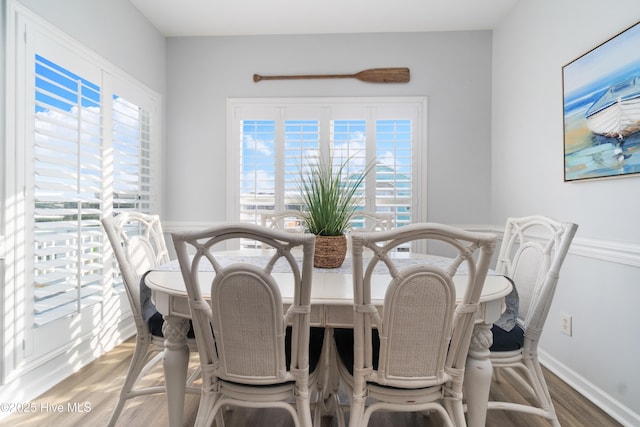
x: 87, y: 398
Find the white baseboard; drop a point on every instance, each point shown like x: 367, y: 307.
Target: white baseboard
x: 29, y: 382
x: 624, y: 415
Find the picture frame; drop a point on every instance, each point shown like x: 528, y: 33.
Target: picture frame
x: 601, y: 108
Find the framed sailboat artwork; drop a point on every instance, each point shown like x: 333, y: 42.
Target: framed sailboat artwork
x: 601, y: 95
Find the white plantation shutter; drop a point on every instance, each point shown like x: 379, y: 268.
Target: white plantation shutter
x: 301, y: 147
x: 348, y: 147
x: 257, y: 178
x: 83, y: 170
x: 268, y: 181
x: 132, y: 165
x: 131, y: 157
x: 272, y: 153
x: 394, y: 171
x: 67, y: 193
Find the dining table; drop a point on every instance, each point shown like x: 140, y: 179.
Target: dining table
x: 331, y: 307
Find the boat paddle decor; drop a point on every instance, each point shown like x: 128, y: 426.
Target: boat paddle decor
x: 602, y: 110
x: 372, y: 75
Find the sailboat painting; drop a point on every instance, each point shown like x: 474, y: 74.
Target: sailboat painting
x: 601, y: 92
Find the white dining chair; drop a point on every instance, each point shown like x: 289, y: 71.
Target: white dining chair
x: 532, y: 252
x: 138, y: 244
x: 248, y: 354
x: 372, y: 221
x: 411, y: 356
x: 288, y: 220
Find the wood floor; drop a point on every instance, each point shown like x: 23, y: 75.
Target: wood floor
x: 87, y: 398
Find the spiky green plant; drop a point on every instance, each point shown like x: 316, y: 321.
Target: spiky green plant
x: 330, y: 200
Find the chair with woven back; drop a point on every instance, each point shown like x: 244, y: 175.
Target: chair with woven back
x: 372, y: 221
x: 248, y: 355
x: 411, y: 357
x: 138, y: 244
x: 288, y: 220
x: 532, y: 252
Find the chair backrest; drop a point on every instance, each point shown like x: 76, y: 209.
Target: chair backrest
x: 424, y: 333
x: 243, y: 326
x: 138, y: 245
x: 372, y: 221
x: 532, y: 252
x: 289, y: 220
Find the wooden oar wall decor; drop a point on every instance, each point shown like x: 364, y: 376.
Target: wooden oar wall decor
x: 372, y: 75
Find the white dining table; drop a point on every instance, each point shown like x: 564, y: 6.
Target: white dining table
x: 331, y: 306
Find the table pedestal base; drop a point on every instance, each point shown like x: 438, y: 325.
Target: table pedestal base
x: 175, y: 363
x: 477, y: 375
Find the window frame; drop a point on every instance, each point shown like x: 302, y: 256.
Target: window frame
x: 333, y: 108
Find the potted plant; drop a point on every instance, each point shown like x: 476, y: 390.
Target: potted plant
x: 330, y: 199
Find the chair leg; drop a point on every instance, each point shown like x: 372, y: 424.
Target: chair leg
x: 138, y: 362
x: 220, y: 418
x: 208, y: 410
x: 116, y: 411
x: 539, y: 385
x: 303, y: 410
x: 356, y: 414
x: 455, y: 410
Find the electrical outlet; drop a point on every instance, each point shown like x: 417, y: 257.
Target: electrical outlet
x: 565, y: 324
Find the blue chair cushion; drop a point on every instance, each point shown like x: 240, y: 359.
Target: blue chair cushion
x: 507, y: 341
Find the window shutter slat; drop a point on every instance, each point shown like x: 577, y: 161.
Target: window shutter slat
x: 67, y: 191
x: 257, y: 169
x: 302, y: 147
x: 131, y: 162
x: 394, y: 177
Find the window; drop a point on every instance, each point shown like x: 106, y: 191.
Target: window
x: 132, y: 160
x: 394, y: 189
x: 89, y: 137
x: 70, y: 172
x: 67, y: 192
x: 272, y: 140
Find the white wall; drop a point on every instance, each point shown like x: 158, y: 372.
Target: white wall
x: 600, y: 282
x: 452, y: 69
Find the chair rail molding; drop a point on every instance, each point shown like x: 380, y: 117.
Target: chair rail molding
x: 619, y: 252
x: 626, y: 253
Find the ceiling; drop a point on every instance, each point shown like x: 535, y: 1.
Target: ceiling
x: 175, y: 18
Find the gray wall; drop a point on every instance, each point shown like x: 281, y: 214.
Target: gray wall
x: 453, y: 69
x: 3, y: 97
x: 114, y: 29
x: 600, y: 282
